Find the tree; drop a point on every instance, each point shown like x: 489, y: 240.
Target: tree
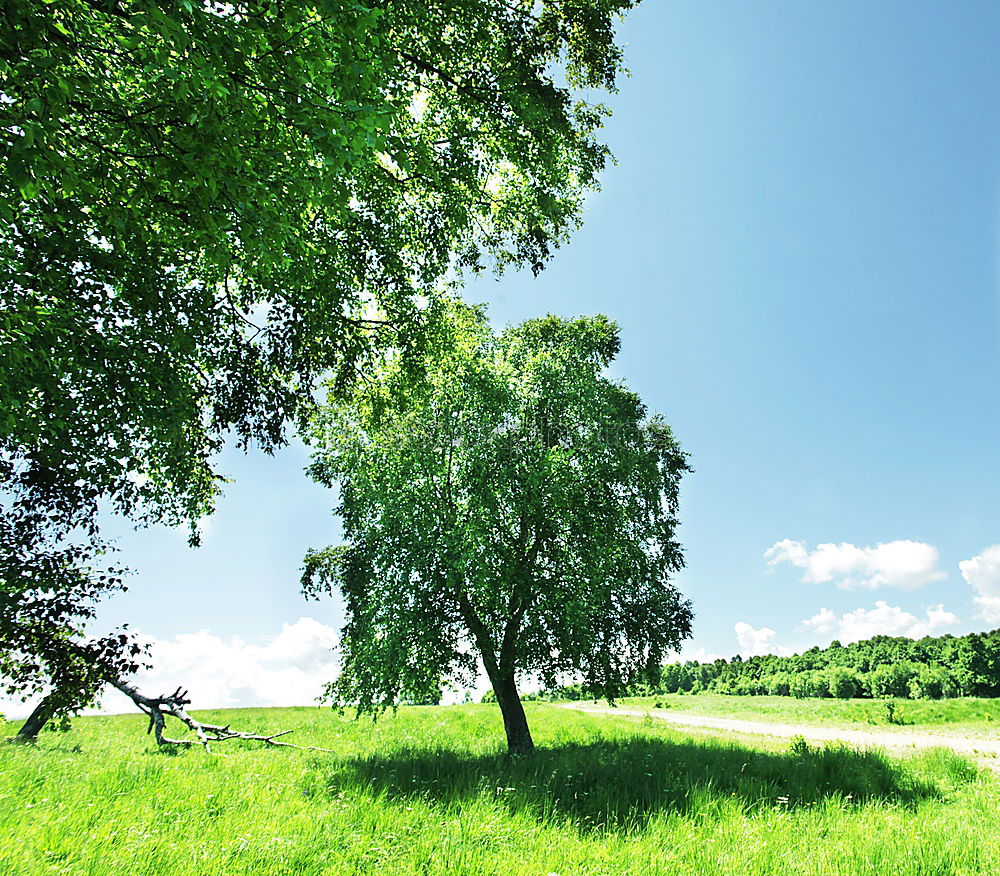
x: 501, y: 498
x: 892, y: 679
x: 844, y: 683
x: 932, y: 682
x: 48, y: 592
x: 207, y: 207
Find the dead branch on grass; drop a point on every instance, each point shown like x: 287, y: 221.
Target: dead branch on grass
x: 172, y: 705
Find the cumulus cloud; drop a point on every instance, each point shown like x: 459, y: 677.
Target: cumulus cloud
x: 883, y: 620
x: 982, y: 573
x: 287, y: 670
x: 755, y: 643
x: 825, y: 621
x: 700, y: 655
x: 903, y: 564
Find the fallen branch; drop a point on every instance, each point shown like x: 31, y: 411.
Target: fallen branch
x: 172, y: 705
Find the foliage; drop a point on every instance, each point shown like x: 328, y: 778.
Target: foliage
x: 502, y: 499
x: 891, y: 679
x: 932, y: 682
x: 883, y: 666
x: 175, y: 170
x: 48, y: 593
x: 893, y: 714
x: 206, y: 207
x: 844, y: 682
x: 426, y: 791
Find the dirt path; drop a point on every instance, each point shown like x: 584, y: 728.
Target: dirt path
x: 983, y: 748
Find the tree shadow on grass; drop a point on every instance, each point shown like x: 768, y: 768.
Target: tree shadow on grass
x: 620, y: 784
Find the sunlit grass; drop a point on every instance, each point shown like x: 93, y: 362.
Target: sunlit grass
x: 966, y: 713
x: 431, y: 790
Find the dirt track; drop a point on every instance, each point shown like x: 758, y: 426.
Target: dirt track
x: 983, y: 748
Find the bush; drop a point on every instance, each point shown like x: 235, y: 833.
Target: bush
x: 844, y: 683
x: 780, y: 684
x: 894, y: 714
x: 809, y: 684
x: 820, y: 683
x: 798, y: 746
x: 932, y: 683
x: 749, y: 687
x: 892, y: 679
x: 799, y: 686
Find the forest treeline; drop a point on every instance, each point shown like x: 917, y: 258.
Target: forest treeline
x: 883, y: 666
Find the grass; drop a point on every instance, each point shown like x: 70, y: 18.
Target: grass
x: 960, y: 715
x: 430, y: 791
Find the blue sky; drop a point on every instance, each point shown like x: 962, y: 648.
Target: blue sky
x: 801, y: 244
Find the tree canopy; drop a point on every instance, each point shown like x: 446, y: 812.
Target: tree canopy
x: 207, y: 207
x: 894, y: 666
x: 501, y: 499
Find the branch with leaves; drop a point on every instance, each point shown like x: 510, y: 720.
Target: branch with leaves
x: 153, y: 154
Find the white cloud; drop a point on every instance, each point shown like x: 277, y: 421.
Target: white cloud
x: 903, y: 564
x: 289, y: 670
x: 699, y: 655
x: 823, y: 622
x: 982, y: 573
x: 883, y: 620
x: 755, y: 643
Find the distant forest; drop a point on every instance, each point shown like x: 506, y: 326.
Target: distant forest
x: 884, y: 666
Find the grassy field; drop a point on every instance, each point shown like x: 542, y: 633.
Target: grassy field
x: 430, y: 791
x: 964, y: 715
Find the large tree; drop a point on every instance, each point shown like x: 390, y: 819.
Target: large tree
x: 205, y: 207
x: 503, y: 499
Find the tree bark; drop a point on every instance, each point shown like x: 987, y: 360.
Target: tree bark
x: 36, y: 721
x: 501, y: 675
x: 514, y: 722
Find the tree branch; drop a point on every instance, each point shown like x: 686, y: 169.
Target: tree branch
x: 158, y: 709
x: 480, y: 634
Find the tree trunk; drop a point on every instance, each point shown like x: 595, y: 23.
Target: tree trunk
x: 36, y: 721
x: 514, y: 723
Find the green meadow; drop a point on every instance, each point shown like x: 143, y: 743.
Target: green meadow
x: 972, y: 715
x: 431, y: 791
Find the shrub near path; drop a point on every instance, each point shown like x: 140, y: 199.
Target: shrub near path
x: 430, y: 790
